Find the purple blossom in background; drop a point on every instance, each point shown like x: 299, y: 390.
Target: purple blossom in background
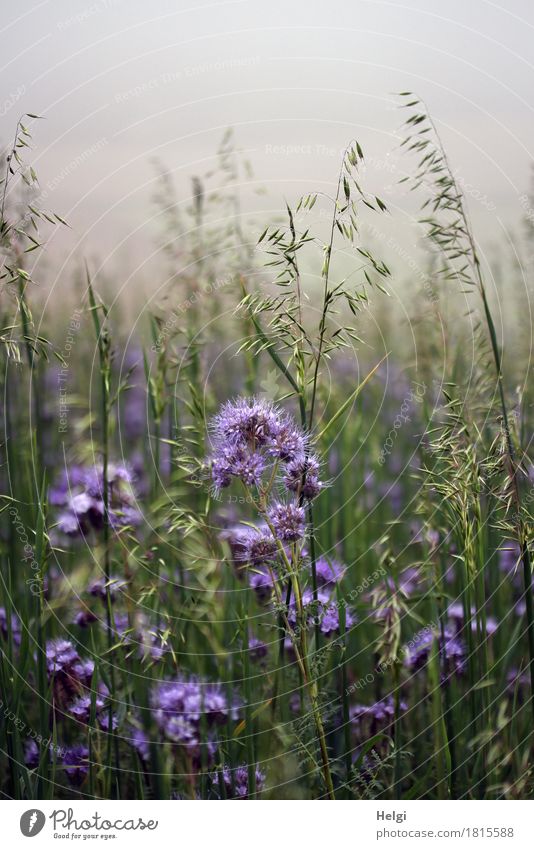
x: 76, y: 764
x: 257, y: 649
x: 236, y: 781
x: 31, y: 754
x: 78, y: 492
x: 509, y: 557
x: 85, y: 617
x: 452, y: 648
x: 262, y: 582
x: 15, y: 626
x: 329, y: 572
x: 140, y: 742
x: 134, y: 413
x: 325, y: 613
x: 375, y: 716
x: 179, y: 707
x: 455, y: 614
x: 517, y: 680
x: 99, y: 587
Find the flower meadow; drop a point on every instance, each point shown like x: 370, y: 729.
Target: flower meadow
x: 264, y: 536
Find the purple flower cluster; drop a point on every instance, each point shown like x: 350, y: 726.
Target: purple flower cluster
x: 250, y: 435
x: 236, y: 781
x: 74, y: 759
x: 455, y: 614
x: 78, y: 493
x: 325, y: 613
x: 451, y: 648
x: 182, y: 707
x: 258, y: 650
x: 76, y: 763
x: 375, y: 717
x: 288, y: 521
x: 71, y: 679
x: 15, y: 626
x: 329, y: 572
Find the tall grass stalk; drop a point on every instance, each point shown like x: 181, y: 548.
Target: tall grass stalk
x: 453, y: 236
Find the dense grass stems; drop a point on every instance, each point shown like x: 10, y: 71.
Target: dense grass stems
x: 253, y: 544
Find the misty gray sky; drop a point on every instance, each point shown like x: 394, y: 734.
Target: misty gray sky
x: 123, y: 81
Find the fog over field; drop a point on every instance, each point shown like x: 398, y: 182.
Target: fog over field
x: 123, y: 83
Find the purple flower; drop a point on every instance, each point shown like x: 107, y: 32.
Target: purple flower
x: 375, y: 716
x: 329, y: 620
x: 329, y: 572
x: 325, y: 613
x: 239, y: 462
x: 249, y: 435
x: 288, y: 443
x: 509, y: 557
x: 15, y: 626
x: 80, y: 709
x: 262, y: 582
x: 140, y: 742
x: 302, y: 477
x: 31, y: 754
x: 85, y: 617
x: 517, y: 680
x: 455, y: 613
x: 250, y: 422
x: 60, y: 654
x: 288, y: 521
x: 406, y: 582
x: 450, y: 647
x: 257, y: 649
x: 236, y: 781
x: 69, y: 674
x: 258, y: 547
x: 180, y: 706
x: 99, y: 587
x: 78, y: 491
x: 237, y: 538
x: 76, y: 764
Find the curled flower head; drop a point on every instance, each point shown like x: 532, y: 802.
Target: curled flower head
x: 259, y: 547
x: 288, y: 521
x: 302, y: 477
x: 237, y: 462
x: 288, y: 443
x: 374, y: 717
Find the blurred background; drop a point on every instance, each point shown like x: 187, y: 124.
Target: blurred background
x: 130, y: 89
